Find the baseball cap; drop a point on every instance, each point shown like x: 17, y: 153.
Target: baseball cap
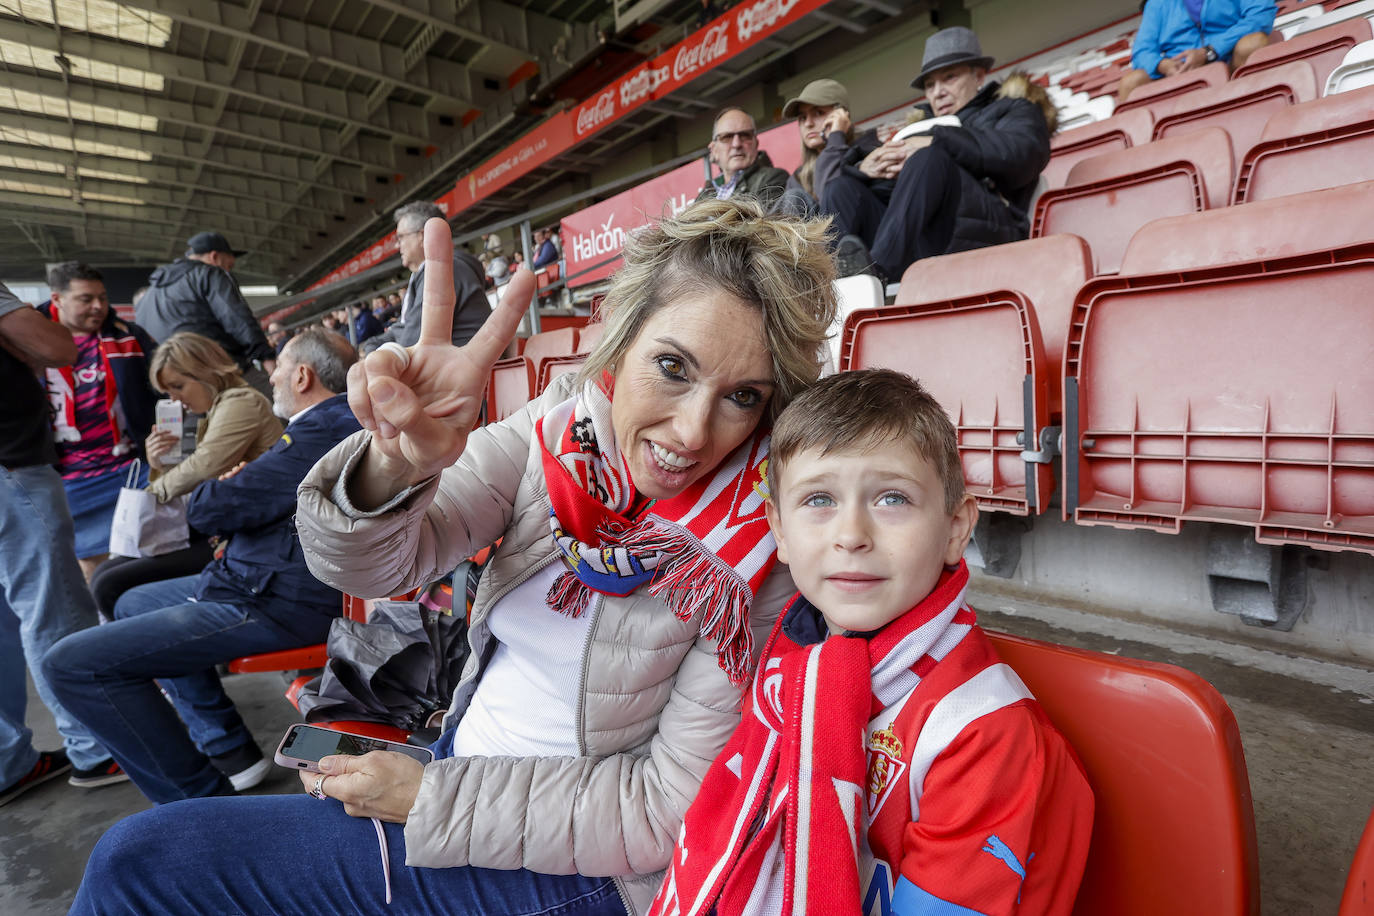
x: 206, y: 242
x: 817, y: 92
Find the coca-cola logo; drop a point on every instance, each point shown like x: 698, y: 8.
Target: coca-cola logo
x: 593, y: 115
x: 715, y: 44
x: 762, y: 15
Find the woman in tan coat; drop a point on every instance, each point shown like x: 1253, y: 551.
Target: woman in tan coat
x: 614, y: 627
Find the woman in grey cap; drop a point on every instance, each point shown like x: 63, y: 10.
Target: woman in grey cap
x: 828, y: 140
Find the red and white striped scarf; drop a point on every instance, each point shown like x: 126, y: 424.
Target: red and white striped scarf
x: 788, y: 794
x: 706, y: 551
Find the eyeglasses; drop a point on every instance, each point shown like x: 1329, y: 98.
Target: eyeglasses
x: 746, y: 135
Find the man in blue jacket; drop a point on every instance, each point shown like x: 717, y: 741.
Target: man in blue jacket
x: 1176, y: 36
x: 256, y: 596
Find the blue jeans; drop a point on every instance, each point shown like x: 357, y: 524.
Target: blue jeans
x: 292, y: 855
x: 105, y: 676
x: 43, y: 598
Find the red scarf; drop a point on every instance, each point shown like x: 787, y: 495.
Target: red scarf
x: 787, y: 795
x: 706, y: 551
x: 62, y: 391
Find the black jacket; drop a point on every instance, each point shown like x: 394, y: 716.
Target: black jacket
x: 189, y: 295
x: 762, y: 181
x: 262, y: 568
x: 470, y: 309
x: 837, y: 156
x: 1003, y: 143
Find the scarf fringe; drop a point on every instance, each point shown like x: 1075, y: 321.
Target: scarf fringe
x: 568, y: 596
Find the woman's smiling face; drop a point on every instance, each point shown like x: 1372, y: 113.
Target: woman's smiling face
x: 691, y: 387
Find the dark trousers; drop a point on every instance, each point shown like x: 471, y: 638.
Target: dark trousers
x: 117, y: 575
x: 918, y: 219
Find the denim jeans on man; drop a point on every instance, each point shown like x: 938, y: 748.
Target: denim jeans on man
x: 43, y: 598
x: 106, y: 678
x: 292, y: 855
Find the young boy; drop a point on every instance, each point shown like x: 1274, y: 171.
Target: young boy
x: 887, y: 761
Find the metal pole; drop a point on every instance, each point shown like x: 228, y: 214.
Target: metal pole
x: 526, y: 241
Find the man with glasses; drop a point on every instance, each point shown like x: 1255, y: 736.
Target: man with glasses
x: 470, y: 306
x: 744, y: 169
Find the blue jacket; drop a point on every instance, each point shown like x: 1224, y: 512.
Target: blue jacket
x: 1166, y: 29
x: 262, y: 567
x: 365, y: 324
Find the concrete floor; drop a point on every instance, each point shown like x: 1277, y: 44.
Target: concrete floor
x: 1307, y: 727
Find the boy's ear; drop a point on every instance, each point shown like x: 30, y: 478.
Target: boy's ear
x: 770, y: 509
x: 963, y: 520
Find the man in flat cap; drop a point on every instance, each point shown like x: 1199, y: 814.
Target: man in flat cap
x: 962, y: 177
x: 196, y: 293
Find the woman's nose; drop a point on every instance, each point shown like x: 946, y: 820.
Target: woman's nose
x: 692, y: 423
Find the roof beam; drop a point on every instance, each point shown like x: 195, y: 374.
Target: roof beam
x: 302, y: 139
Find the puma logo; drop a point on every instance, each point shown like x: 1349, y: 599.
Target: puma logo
x: 996, y: 848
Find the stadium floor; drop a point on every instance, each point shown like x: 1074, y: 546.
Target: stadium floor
x: 1307, y: 727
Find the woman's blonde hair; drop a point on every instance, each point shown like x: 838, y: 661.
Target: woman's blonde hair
x: 778, y: 264
x: 806, y: 172
x: 195, y: 357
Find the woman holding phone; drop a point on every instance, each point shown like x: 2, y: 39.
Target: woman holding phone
x: 615, y: 625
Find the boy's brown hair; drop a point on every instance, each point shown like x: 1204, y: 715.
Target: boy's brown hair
x: 861, y: 409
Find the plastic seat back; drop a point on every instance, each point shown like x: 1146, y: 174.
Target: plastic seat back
x: 1242, y: 106
x: 1324, y: 49
x: 560, y: 342
x: 1121, y: 131
x: 1358, y: 898
x: 1174, y: 825
x: 1161, y: 96
x: 1109, y: 197
x: 1048, y: 271
x: 554, y: 366
x: 589, y: 335
x: 1355, y: 71
x: 1319, y: 144
x: 510, y: 387
x: 981, y: 358
x: 1240, y: 394
x: 851, y: 294
x: 1296, y: 223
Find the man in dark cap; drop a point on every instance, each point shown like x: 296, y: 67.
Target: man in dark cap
x: 963, y: 177
x: 196, y: 293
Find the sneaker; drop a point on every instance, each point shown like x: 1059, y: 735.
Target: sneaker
x: 245, y: 766
x: 852, y: 258
x: 50, y: 764
x: 102, y: 774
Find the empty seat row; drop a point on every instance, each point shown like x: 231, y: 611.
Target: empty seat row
x: 514, y: 381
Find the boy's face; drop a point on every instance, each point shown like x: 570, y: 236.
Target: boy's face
x: 866, y: 533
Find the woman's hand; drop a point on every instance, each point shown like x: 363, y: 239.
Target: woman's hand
x: 421, y: 409
x: 158, y: 443
x: 380, y: 784
x: 838, y: 119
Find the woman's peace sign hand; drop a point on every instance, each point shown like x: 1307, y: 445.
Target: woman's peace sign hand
x: 420, y: 406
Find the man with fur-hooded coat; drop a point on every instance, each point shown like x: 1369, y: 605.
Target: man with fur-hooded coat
x: 965, y: 181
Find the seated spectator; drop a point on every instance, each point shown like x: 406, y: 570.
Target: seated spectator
x: 365, y: 324
x: 879, y: 677
x: 828, y: 142
x: 957, y: 187
x: 556, y: 239
x: 336, y: 320
x: 102, y: 404
x: 277, y: 335
x: 498, y: 270
x: 517, y: 261
x: 393, y: 304
x: 43, y: 596
x: 255, y: 596
x: 1176, y: 36
x: 545, y: 252
x: 745, y: 170
x: 470, y: 307
x: 236, y: 425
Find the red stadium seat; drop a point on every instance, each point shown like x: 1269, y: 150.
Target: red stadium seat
x: 589, y: 336
x: 560, y: 342
x: 1314, y: 221
x: 1108, y: 197
x: 554, y: 366
x: 1130, y: 128
x: 511, y: 386
x: 1322, y: 48
x: 1048, y: 271
x: 1358, y: 899
x: 1319, y: 144
x: 1240, y: 394
x: 1162, y: 95
x: 981, y: 358
x: 1242, y: 106
x: 1174, y: 824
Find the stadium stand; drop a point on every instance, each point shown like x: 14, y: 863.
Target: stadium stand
x: 1121, y: 131
x: 1324, y: 49
x: 1108, y: 197
x: 511, y: 386
x: 1161, y: 96
x: 1356, y: 70
x: 981, y: 357
x: 1319, y: 144
x: 1124, y: 717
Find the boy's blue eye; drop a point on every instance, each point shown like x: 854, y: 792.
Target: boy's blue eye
x: 892, y: 499
x: 818, y: 501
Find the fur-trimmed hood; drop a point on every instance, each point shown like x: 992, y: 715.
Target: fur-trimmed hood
x: 1019, y: 85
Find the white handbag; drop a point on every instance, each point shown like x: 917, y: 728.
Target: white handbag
x: 142, y: 526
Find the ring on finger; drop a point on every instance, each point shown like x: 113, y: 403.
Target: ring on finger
x: 317, y: 789
x: 401, y: 352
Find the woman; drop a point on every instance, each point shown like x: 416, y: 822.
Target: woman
x: 237, y: 426
x: 609, y: 647
x: 827, y: 137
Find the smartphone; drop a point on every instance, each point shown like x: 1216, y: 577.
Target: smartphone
x: 169, y: 419
x: 303, y: 745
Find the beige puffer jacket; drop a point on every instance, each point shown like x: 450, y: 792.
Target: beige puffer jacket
x: 654, y: 706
